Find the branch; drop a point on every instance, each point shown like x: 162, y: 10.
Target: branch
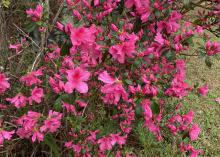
x: 26, y: 35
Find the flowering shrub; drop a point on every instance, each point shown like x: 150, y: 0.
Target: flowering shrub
x: 125, y: 58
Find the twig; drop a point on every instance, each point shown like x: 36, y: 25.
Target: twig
x: 84, y: 110
x: 26, y: 35
x: 201, y: 6
x: 55, y: 19
x: 38, y: 55
x: 57, y: 15
x: 43, y: 36
x: 184, y: 54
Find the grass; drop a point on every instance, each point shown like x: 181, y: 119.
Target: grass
x: 207, y: 111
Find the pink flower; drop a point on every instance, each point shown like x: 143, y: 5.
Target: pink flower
x: 212, y: 48
x: 147, y: 110
x: 126, y: 48
x: 77, y: 148
x: 119, y: 51
x: 37, y: 136
x: 91, y: 54
x: 31, y: 78
x: 195, y: 153
x: 82, y: 35
x: 29, y: 127
x: 106, y: 78
x: 116, y: 138
x: 5, y: 135
x: 178, y: 87
x: 60, y: 26
x: 217, y: 100
x: 194, y: 132
x: 69, y: 108
x: 203, y: 90
x: 16, y: 47
x: 56, y: 83
x: 76, y: 80
x: 4, y: 85
x: 18, y: 101
x: 105, y: 143
x: 69, y: 2
x: 52, y: 123
x: 129, y: 3
x: 159, y: 38
x: 113, y: 89
x: 81, y: 103
x: 188, y: 118
x: 96, y: 2
x: 76, y: 14
x: 35, y: 14
x: 36, y: 95
x: 55, y: 54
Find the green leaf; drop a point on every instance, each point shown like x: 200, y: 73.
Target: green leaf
x: 138, y: 110
x: 51, y: 143
x: 6, y: 3
x: 189, y: 41
x: 128, y: 81
x: 155, y: 108
x: 186, y: 3
x: 58, y: 104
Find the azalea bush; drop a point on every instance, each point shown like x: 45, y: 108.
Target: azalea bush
x: 101, y: 69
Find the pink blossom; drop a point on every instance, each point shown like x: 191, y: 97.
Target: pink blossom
x: 194, y: 132
x: 212, y: 48
x: 76, y: 79
x: 195, y: 153
x: 32, y: 78
x: 36, y: 14
x: 60, y: 26
x: 96, y: 2
x: 81, y: 103
x: 147, y: 110
x: 69, y: 2
x: 142, y: 7
x: 37, y: 136
x: 69, y: 108
x: 55, y: 54
x: 77, y: 148
x: 120, y: 51
x: 16, y: 47
x: 82, y: 35
x: 91, y: 54
x: 178, y: 86
x: 188, y: 118
x: 5, y: 135
x: 113, y: 93
x: 203, y: 90
x: 217, y: 100
x: 18, y: 101
x: 36, y: 95
x: 76, y: 14
x: 4, y: 85
x: 159, y: 38
x: 116, y: 138
x: 106, y: 78
x: 52, y: 123
x: 28, y: 126
x: 105, y: 143
x: 56, y: 84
